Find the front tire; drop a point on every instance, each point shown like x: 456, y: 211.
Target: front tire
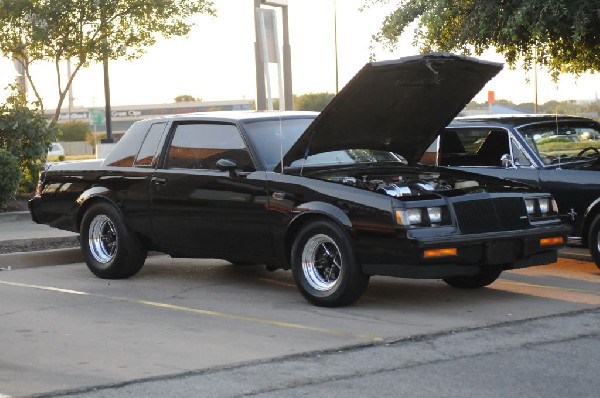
x: 111, y: 251
x: 594, y: 240
x: 324, y: 266
x: 480, y: 280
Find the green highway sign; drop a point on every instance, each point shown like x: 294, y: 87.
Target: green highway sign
x: 97, y: 116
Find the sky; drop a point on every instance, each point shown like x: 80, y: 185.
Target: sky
x: 216, y: 61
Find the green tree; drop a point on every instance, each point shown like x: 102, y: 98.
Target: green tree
x: 186, y: 98
x: 85, y: 31
x: 312, y: 101
x: 10, y: 175
x: 563, y: 35
x: 26, y: 133
x: 74, y: 130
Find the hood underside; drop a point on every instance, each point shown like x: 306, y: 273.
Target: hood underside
x: 397, y: 106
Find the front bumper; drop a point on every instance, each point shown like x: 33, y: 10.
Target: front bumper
x: 474, y: 253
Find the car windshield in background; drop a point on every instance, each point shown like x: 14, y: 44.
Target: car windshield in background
x: 272, y: 138
x: 560, y: 142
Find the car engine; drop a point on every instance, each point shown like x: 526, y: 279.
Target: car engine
x: 398, y: 186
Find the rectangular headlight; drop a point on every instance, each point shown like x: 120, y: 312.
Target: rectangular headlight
x: 413, y: 216
x: 409, y: 217
x: 544, y: 205
x: 530, y: 205
x: 435, y: 214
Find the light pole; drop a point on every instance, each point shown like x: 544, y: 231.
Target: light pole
x: 261, y: 100
x: 337, y: 80
x: 107, y: 111
x: 535, y: 82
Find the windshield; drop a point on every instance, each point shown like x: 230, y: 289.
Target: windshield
x: 271, y: 138
x: 267, y: 139
x: 564, y: 141
x: 349, y: 156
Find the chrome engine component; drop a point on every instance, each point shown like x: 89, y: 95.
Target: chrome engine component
x: 398, y: 186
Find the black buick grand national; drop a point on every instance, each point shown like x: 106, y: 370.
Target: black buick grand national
x: 557, y: 153
x: 335, y: 197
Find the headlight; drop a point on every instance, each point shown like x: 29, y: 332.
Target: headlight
x: 544, y: 205
x: 435, y: 214
x: 541, y: 207
x: 408, y: 217
x: 422, y: 216
x: 530, y: 204
x: 413, y: 216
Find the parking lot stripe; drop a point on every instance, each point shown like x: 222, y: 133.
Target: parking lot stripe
x: 579, y: 296
x: 49, y: 288
x: 201, y: 312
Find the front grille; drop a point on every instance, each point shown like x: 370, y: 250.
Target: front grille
x: 489, y: 215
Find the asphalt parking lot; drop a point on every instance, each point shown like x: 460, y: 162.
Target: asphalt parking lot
x: 68, y: 332
x: 65, y: 329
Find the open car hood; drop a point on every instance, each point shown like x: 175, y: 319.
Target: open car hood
x: 398, y: 106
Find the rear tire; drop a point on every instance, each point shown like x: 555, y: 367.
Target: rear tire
x: 594, y: 240
x: 111, y: 251
x: 480, y: 280
x: 324, y: 266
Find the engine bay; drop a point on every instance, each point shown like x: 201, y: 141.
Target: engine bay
x: 399, y: 186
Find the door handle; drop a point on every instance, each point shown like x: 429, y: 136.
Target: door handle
x: 278, y: 195
x: 158, y: 182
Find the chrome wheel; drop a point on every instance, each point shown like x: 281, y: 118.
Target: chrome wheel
x: 102, y: 239
x: 321, y: 262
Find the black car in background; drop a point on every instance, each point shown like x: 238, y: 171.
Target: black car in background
x: 556, y: 153
x: 335, y: 197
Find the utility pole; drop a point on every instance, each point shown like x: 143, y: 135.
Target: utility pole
x: 109, y: 138
x: 337, y: 79
x: 261, y: 100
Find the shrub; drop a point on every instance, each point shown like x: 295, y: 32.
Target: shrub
x: 74, y: 130
x: 313, y: 101
x: 10, y: 175
x: 27, y: 134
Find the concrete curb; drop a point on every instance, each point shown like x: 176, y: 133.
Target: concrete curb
x: 15, y: 216
x: 38, y: 241
x: 41, y: 258
x: 575, y: 255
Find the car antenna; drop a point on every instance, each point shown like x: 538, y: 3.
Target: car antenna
x: 280, y: 139
x: 304, y: 160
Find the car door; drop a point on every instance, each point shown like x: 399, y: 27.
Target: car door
x: 198, y: 210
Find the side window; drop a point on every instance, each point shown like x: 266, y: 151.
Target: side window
x: 147, y: 156
x: 201, y: 145
x: 123, y: 154
x: 473, y: 147
x: 519, y: 157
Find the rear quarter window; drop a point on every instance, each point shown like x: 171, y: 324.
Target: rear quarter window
x: 125, y: 151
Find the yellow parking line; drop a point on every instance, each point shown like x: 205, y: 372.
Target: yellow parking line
x: 277, y: 282
x: 552, y: 292
x: 49, y: 288
x: 200, y: 312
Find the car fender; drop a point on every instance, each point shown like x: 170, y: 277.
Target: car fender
x: 303, y: 213
x: 324, y: 209
x: 90, y: 196
x: 588, y: 218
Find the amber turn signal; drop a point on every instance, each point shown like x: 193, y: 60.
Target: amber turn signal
x: 449, y: 251
x: 559, y: 240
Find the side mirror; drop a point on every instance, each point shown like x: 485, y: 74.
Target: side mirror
x: 507, y: 161
x: 227, y: 165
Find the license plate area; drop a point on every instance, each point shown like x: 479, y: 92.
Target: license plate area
x: 502, y: 252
